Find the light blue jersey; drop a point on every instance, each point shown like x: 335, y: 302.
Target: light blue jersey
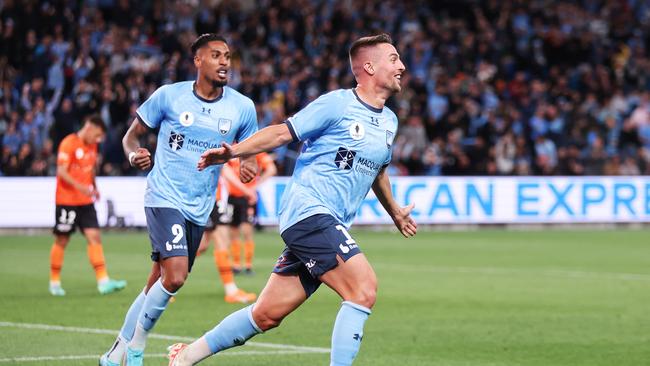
x: 346, y: 144
x: 188, y: 125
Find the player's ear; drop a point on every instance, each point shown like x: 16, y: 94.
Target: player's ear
x: 369, y: 68
x: 197, y: 60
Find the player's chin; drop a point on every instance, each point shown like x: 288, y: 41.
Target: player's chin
x: 219, y: 82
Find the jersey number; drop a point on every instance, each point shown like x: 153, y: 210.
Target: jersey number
x: 67, y: 217
x: 347, y: 235
x: 177, y: 231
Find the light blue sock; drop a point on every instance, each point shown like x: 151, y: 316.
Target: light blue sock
x: 154, y: 305
x: 348, y: 333
x: 234, y: 330
x: 132, y: 317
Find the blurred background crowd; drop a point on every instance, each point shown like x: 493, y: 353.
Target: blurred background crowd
x: 492, y: 87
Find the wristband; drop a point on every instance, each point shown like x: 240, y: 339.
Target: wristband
x: 131, y: 155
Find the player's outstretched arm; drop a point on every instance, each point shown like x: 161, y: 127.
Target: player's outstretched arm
x: 139, y: 157
x: 401, y: 215
x: 264, y: 140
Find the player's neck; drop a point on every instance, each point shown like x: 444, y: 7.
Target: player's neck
x: 371, y: 96
x: 207, y: 90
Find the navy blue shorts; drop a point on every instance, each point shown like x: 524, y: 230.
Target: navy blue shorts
x: 312, y: 246
x: 172, y: 235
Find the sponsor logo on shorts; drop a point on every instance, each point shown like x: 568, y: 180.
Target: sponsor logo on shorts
x: 169, y: 247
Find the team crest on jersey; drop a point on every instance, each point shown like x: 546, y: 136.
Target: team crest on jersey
x: 344, y: 158
x: 224, y: 125
x: 357, y: 131
x: 186, y: 119
x: 176, y: 141
x: 389, y: 138
x: 79, y: 153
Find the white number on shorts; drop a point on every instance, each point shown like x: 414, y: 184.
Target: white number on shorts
x: 177, y: 230
x: 67, y: 217
x: 347, y: 235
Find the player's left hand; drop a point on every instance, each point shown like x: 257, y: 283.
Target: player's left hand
x: 219, y: 155
x: 247, y: 171
x: 404, y: 222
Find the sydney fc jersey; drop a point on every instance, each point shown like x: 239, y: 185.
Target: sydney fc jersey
x: 187, y: 126
x: 346, y: 144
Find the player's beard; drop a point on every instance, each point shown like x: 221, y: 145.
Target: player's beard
x: 218, y: 83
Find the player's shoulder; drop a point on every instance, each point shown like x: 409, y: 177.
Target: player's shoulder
x: 236, y: 96
x: 391, y: 116
x: 70, y: 141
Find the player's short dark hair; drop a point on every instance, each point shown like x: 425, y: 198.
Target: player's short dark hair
x: 368, y: 42
x: 96, y: 120
x: 204, y: 39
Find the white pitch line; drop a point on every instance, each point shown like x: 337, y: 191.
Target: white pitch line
x: 154, y: 355
x: 516, y: 271
x: 283, y: 347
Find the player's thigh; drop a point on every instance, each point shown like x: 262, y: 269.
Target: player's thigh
x: 353, y: 279
x: 88, y: 223
x: 282, y: 295
x: 172, y: 235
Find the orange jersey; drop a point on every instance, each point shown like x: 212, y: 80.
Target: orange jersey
x: 263, y: 162
x: 81, y: 159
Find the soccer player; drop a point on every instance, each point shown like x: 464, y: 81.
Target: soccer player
x: 188, y: 117
x: 348, y: 136
x: 217, y: 231
x: 76, y: 193
x: 242, y: 197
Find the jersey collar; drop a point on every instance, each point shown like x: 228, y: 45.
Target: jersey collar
x: 223, y: 92
x: 376, y: 110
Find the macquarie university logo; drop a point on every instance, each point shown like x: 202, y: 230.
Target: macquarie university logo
x: 176, y: 141
x: 344, y: 158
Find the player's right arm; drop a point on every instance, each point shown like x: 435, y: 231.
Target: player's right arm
x: 63, y: 163
x: 266, y: 139
x: 138, y: 157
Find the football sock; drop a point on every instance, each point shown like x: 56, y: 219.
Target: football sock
x: 224, y: 266
x: 348, y: 333
x: 56, y: 262
x: 154, y: 304
x: 96, y: 256
x: 235, y: 251
x: 234, y: 330
x: 126, y: 333
x: 249, y: 251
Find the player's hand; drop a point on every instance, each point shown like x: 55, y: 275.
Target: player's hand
x: 86, y: 190
x: 215, y: 156
x: 404, y: 222
x: 247, y: 171
x: 141, y: 159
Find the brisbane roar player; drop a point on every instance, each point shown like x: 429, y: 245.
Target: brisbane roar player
x: 76, y: 193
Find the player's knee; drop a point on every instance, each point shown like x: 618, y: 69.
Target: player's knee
x: 265, y: 320
x: 365, y: 295
x: 174, y: 281
x: 61, y: 240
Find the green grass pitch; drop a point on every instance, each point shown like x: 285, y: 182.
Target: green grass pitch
x: 473, y: 298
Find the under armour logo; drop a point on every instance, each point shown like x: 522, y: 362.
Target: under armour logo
x: 206, y: 110
x: 357, y: 337
x: 374, y: 120
x: 238, y: 341
x: 152, y: 319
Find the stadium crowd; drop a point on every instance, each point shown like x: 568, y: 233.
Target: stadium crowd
x: 492, y: 87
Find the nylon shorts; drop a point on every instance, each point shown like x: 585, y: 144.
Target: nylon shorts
x: 67, y: 218
x: 312, y: 246
x: 172, y: 235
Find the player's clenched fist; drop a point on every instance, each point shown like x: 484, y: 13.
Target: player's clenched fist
x: 140, y: 159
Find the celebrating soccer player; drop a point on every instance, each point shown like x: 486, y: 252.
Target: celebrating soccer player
x: 348, y: 136
x: 189, y: 117
x: 76, y: 193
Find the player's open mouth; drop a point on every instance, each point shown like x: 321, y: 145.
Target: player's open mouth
x: 398, y: 77
x: 222, y: 73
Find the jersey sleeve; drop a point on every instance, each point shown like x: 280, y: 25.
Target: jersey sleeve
x: 66, y: 152
x: 151, y: 111
x: 248, y: 122
x: 316, y: 117
x: 390, y: 135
